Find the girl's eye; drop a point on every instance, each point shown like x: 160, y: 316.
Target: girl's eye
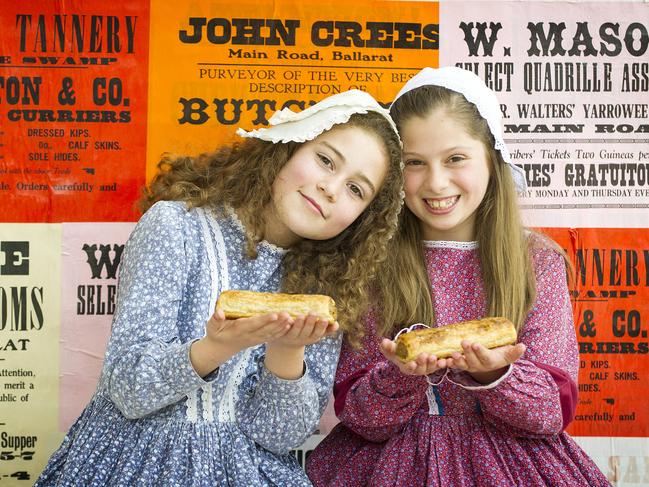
x: 455, y: 159
x: 325, y: 160
x: 354, y: 188
x: 413, y: 162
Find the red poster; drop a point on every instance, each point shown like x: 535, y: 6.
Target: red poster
x: 73, y: 105
x: 610, y: 295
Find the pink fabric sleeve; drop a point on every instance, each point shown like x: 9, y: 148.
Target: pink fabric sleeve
x: 538, y: 397
x: 567, y: 392
x: 372, y: 397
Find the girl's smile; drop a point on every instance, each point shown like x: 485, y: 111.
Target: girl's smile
x: 312, y: 204
x: 446, y: 175
x: 441, y: 206
x: 325, y: 186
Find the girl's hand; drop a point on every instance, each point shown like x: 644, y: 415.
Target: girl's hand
x: 225, y: 338
x: 285, y: 354
x: 424, y: 364
x: 305, y: 330
x: 485, y: 365
x: 242, y: 333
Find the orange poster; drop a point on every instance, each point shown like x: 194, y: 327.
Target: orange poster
x: 235, y: 64
x: 73, y: 97
x: 610, y: 294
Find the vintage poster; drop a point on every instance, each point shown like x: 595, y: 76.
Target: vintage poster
x: 73, y: 98
x: 93, y: 93
x: 573, y: 82
x: 610, y: 295
x: 625, y: 463
x: 235, y: 65
x: 90, y: 258
x: 29, y: 354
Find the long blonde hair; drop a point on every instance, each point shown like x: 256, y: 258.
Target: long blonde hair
x: 241, y: 176
x: 403, y: 286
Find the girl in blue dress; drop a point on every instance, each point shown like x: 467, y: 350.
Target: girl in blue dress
x: 188, y: 398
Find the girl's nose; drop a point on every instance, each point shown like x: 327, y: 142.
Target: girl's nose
x: 327, y: 190
x: 437, y: 180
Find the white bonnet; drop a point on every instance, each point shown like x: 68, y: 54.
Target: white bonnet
x: 289, y: 126
x: 475, y: 91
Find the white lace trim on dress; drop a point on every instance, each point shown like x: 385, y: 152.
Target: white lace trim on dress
x: 192, y: 410
x: 220, y: 282
x: 449, y: 244
x: 222, y: 278
x: 239, y: 224
x: 226, y: 409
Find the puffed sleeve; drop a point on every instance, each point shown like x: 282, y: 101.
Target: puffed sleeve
x: 281, y: 414
x: 147, y: 364
x: 537, y: 396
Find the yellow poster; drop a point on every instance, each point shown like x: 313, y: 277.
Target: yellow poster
x: 29, y: 359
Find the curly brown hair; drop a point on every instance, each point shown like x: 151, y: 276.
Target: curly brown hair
x: 241, y: 175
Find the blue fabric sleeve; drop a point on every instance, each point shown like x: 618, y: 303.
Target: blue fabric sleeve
x: 281, y: 414
x: 147, y: 364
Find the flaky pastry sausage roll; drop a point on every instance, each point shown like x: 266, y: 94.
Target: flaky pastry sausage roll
x: 443, y: 341
x: 242, y: 304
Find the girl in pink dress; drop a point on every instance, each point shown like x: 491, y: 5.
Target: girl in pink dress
x: 482, y: 417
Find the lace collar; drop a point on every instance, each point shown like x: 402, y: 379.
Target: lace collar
x: 234, y: 218
x: 448, y: 244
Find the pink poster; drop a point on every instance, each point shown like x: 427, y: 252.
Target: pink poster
x: 573, y: 82
x: 90, y: 255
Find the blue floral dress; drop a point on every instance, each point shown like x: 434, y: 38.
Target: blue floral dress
x: 153, y: 420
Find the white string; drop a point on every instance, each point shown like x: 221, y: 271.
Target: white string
x: 408, y: 330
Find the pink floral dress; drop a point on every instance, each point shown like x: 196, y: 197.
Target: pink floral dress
x: 397, y: 430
